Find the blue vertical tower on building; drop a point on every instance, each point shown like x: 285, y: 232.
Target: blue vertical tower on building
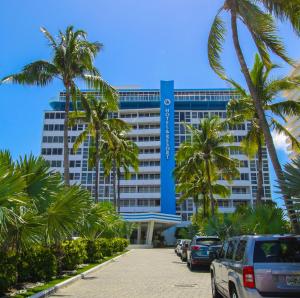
x: 167, y: 162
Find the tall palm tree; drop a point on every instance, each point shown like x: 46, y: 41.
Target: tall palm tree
x: 121, y: 157
x: 257, y: 16
x: 73, y: 57
x: 96, y: 114
x: 209, y: 151
x: 243, y: 109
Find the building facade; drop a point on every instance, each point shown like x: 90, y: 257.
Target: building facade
x: 156, y: 117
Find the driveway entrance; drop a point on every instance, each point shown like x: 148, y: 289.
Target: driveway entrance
x: 142, y: 273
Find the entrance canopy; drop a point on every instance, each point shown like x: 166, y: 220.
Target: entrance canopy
x: 151, y: 222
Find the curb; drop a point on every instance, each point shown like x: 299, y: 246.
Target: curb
x: 69, y: 281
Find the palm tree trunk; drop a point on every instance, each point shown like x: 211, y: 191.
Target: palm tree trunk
x: 118, y: 186
x: 196, y: 202
x: 212, y: 200
x: 66, y: 137
x: 97, y: 161
x: 204, y: 205
x: 261, y: 116
x: 259, y: 193
x: 114, y: 185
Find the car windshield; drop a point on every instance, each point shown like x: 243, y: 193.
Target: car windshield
x: 286, y: 250
x: 208, y: 241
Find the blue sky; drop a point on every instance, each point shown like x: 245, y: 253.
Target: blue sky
x: 144, y: 42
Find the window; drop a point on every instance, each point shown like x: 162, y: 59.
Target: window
x: 285, y: 250
x: 239, y: 190
x: 244, y: 176
x: 230, y: 250
x: 240, y: 251
x: 243, y: 163
x: 223, y: 250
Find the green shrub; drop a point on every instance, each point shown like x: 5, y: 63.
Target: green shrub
x: 119, y: 244
x: 94, y: 253
x: 36, y: 264
x: 104, y: 246
x: 8, y: 271
x: 74, y: 253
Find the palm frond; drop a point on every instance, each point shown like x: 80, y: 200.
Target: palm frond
x: 215, y: 43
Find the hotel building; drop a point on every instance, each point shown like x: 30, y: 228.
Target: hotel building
x: 157, y: 117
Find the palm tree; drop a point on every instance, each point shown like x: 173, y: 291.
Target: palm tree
x: 96, y: 113
x: 209, y: 151
x: 191, y: 182
x: 73, y: 57
x: 243, y: 109
x: 291, y: 186
x: 258, y: 20
x: 36, y: 207
x: 120, y: 156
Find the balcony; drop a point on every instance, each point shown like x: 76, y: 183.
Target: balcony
x: 139, y: 182
x: 138, y: 209
x: 145, y: 132
x: 140, y: 195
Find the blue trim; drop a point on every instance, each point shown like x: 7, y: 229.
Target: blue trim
x: 139, y: 104
x: 200, y: 105
x: 151, y: 216
x: 167, y: 152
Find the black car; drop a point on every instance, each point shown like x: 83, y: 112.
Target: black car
x: 202, y: 250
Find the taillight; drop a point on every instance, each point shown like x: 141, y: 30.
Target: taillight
x: 248, y: 277
x: 195, y: 247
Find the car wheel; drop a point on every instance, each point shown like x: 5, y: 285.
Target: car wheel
x: 233, y: 293
x: 214, y: 290
x: 192, y: 267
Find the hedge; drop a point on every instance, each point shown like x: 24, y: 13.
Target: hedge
x: 40, y: 263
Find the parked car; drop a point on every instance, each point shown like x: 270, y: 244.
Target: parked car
x: 201, y: 250
x: 176, y: 245
x: 179, y: 246
x: 257, y: 266
x: 184, y: 249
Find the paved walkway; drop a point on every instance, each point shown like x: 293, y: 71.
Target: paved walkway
x: 142, y: 273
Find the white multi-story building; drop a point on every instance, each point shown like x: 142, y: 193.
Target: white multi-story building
x: 157, y: 117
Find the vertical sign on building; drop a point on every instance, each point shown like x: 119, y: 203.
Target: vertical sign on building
x: 167, y: 151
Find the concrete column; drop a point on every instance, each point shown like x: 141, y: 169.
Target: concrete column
x: 150, y: 229
x: 139, y: 233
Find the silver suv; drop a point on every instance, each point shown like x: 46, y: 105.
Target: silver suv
x: 257, y: 266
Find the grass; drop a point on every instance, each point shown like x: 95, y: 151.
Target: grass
x: 56, y: 281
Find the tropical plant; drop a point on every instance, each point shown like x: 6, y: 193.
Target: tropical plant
x: 100, y: 221
x: 243, y: 109
x: 73, y: 57
x: 290, y: 186
x: 96, y: 114
x: 262, y: 219
x: 208, y: 151
x: 192, y: 183
x: 120, y: 155
x: 257, y: 16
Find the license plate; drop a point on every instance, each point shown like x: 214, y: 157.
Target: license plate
x: 293, y: 280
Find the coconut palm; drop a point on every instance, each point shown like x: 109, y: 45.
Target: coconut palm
x: 209, y: 151
x: 243, y: 109
x: 96, y: 115
x: 120, y: 155
x: 257, y: 17
x: 73, y: 57
x: 197, y: 188
x: 191, y: 182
